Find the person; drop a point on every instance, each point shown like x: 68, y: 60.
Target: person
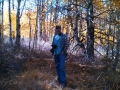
x: 60, y: 45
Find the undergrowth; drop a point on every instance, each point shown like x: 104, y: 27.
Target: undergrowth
x: 35, y: 70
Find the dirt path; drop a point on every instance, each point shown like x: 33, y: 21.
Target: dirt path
x: 39, y: 74
x: 78, y: 78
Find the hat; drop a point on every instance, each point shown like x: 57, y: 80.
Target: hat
x: 58, y: 27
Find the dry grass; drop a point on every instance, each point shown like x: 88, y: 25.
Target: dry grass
x: 41, y: 74
x: 37, y: 77
x: 38, y: 73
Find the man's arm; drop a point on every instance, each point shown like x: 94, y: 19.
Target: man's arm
x: 66, y: 45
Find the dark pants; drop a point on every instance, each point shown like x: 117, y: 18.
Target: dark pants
x: 60, y: 67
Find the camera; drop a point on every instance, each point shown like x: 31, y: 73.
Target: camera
x: 53, y: 48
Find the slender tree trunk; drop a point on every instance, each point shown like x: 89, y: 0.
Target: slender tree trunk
x: 37, y: 20
x: 0, y: 22
x: 109, y: 30
x: 56, y: 13
x: 76, y: 24
x: 18, y: 36
x: 113, y: 44
x: 2, y: 19
x: 36, y: 27
x: 44, y: 17
x: 40, y: 17
x: 115, y: 63
x: 108, y: 36
x: 51, y: 24
x: 47, y: 29
x: 38, y: 23
x: 13, y: 4
x: 10, y: 22
x: 1, y: 33
x: 90, y: 29
x: 30, y: 34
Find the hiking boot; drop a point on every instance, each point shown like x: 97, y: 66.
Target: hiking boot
x: 63, y: 85
x: 57, y: 82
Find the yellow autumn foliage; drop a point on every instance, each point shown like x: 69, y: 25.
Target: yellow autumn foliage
x: 47, y: 25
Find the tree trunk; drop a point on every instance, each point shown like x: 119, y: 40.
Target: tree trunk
x: 50, y: 19
x: 108, y: 35
x: 90, y: 29
x: 30, y: 35
x: 13, y: 4
x: 40, y: 17
x: 113, y: 44
x: 0, y: 22
x: 37, y: 20
x: 56, y: 13
x: 2, y: 19
x: 76, y: 24
x: 36, y: 27
x: 10, y: 23
x: 17, y: 42
x: 115, y: 63
x: 1, y: 32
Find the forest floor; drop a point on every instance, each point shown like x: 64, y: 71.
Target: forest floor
x: 36, y: 71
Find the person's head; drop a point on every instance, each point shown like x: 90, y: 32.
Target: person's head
x: 58, y: 29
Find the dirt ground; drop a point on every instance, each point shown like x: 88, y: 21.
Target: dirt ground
x: 37, y: 72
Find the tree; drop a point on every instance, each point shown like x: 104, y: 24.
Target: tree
x: 0, y: 19
x: 90, y: 29
x: 10, y: 22
x: 1, y: 31
x: 29, y: 16
x: 115, y: 63
x: 18, y: 25
x: 18, y: 16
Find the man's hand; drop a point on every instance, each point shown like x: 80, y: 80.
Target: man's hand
x: 53, y: 48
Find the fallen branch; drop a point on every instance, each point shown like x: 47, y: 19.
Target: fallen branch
x: 99, y: 75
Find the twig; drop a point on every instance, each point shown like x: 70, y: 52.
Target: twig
x: 98, y: 52
x: 118, y: 87
x: 51, y: 68
x: 99, y: 75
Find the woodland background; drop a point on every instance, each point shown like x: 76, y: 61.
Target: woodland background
x: 26, y: 31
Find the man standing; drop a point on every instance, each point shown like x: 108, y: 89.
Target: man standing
x: 60, y: 45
